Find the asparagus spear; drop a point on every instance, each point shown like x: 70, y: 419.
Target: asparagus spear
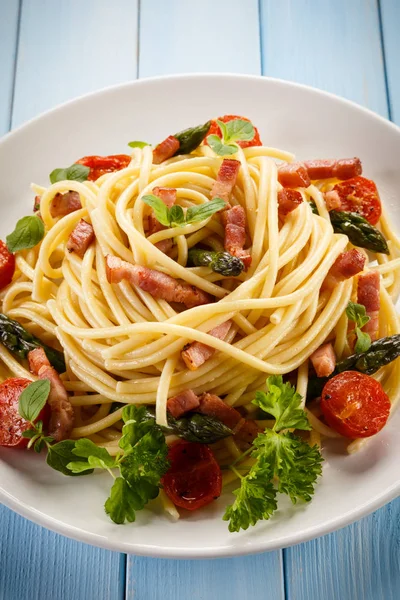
x: 359, y: 231
x: 191, y: 138
x: 220, y: 262
x: 380, y: 353
x: 19, y: 341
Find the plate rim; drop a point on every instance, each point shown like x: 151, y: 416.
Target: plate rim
x: 260, y: 544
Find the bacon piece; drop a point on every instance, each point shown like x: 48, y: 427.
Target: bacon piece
x: 345, y: 266
x: 234, y: 220
x: 182, y: 403
x: 292, y: 175
x: 344, y: 168
x: 368, y: 288
x: 226, y: 179
x: 80, y: 238
x: 62, y: 413
x: 213, y: 406
x: 332, y: 200
x: 168, y: 196
x: 288, y: 200
x: 158, y: 284
x: 196, y: 353
x: 324, y: 360
x: 36, y: 204
x: 165, y: 149
x: 64, y: 204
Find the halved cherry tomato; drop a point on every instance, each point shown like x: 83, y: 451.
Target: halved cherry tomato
x: 354, y: 404
x: 215, y: 130
x: 11, y: 423
x: 104, y: 164
x: 194, y: 477
x: 7, y: 265
x: 360, y: 195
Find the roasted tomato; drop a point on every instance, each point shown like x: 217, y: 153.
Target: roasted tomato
x: 7, y: 265
x: 104, y: 164
x: 194, y: 477
x: 215, y: 130
x: 12, y: 425
x: 354, y: 404
x: 361, y: 196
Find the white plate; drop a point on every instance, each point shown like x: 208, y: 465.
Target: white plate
x: 312, y: 124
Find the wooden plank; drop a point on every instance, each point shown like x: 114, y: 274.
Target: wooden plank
x: 334, y: 45
x: 361, y: 562
x: 36, y: 563
x: 8, y: 47
x: 70, y: 48
x: 241, y: 578
x: 390, y: 21
x: 211, y: 35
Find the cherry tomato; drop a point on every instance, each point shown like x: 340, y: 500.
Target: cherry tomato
x: 7, y: 265
x: 104, y: 164
x: 215, y: 130
x: 11, y: 423
x: 194, y: 477
x: 354, y: 404
x: 360, y: 195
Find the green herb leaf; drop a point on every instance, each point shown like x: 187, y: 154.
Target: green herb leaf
x: 38, y: 445
x: 28, y: 232
x: 61, y: 454
x: 284, y: 403
x: 176, y: 215
x: 161, y: 211
x: 33, y: 399
x: 138, y: 422
x: 201, y: 212
x: 219, y: 147
x: 138, y: 144
x: 97, y: 458
x: 236, y: 129
x: 75, y: 172
x: 363, y: 342
x: 357, y: 313
x: 29, y: 433
x: 123, y: 502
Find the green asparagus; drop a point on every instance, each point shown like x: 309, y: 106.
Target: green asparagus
x: 191, y: 138
x: 220, y: 262
x: 359, y: 231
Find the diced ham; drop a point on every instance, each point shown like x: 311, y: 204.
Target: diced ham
x: 165, y: 149
x: 168, y: 196
x: 292, y: 175
x: 288, y: 200
x: 226, y: 179
x: 332, y: 200
x: 368, y: 289
x: 62, y: 413
x: 80, y: 238
x: 213, y: 406
x: 234, y: 220
x: 346, y: 265
x: 158, y: 284
x: 344, y: 168
x: 196, y: 353
x: 182, y: 403
x: 64, y: 204
x: 36, y: 204
x: 324, y: 360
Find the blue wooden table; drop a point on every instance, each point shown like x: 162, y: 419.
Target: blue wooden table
x: 54, y: 50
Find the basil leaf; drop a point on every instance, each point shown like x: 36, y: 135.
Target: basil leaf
x: 363, y: 341
x: 60, y: 455
x: 237, y: 129
x: 219, y: 148
x: 357, y: 313
x: 33, y: 399
x: 29, y: 433
x: 75, y: 172
x: 176, y: 215
x: 138, y: 144
x: 203, y: 211
x: 28, y: 232
x: 161, y: 211
x: 223, y: 129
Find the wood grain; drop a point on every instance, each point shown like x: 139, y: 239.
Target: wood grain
x: 390, y: 22
x: 8, y: 43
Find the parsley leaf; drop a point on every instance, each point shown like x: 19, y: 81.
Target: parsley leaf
x: 122, y: 503
x: 358, y: 314
x: 175, y: 217
x: 75, y: 172
x: 280, y: 457
x: 28, y: 232
x: 282, y: 402
x: 60, y: 455
x: 233, y: 131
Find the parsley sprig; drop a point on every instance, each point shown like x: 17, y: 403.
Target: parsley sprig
x: 175, y: 216
x: 232, y: 131
x: 283, y: 461
x: 357, y: 314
